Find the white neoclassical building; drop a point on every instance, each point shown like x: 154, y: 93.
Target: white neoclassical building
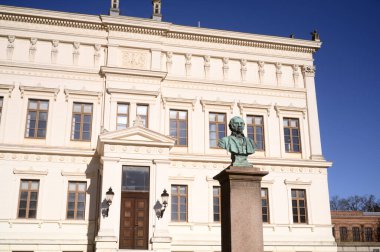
x: 93, y: 104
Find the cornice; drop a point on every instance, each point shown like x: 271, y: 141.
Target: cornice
x: 39, y: 89
x: 133, y: 72
x: 291, y: 108
x: 71, y: 92
x: 31, y: 149
x: 253, y: 106
x: 151, y: 27
x: 133, y: 92
x: 7, y: 87
x: 166, y: 100
x: 206, y: 103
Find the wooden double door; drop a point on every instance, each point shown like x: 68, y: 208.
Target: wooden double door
x: 134, y: 220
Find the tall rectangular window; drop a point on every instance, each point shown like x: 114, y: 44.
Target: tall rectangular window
x: 36, y: 120
x: 142, y: 111
x: 265, y: 204
x: 343, y: 234
x: 255, y: 129
x: 368, y: 236
x: 122, y: 118
x: 378, y: 234
x: 217, y: 128
x: 356, y: 234
x: 1, y: 106
x: 76, y: 200
x: 292, y: 135
x: 216, y: 203
x: 82, y: 120
x: 178, y: 126
x: 179, y: 203
x: 299, y: 206
x: 27, y: 207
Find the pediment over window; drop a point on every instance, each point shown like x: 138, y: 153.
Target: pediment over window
x: 135, y: 136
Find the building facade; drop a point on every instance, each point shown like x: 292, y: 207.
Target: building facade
x: 91, y: 104
x: 356, y: 230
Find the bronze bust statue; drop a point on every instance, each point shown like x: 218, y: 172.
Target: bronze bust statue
x: 237, y: 144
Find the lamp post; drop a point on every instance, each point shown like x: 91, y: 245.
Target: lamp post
x: 109, y: 198
x: 160, y: 208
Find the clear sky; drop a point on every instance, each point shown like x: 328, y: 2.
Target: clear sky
x: 348, y: 68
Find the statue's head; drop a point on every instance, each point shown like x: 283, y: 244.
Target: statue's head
x: 236, y: 124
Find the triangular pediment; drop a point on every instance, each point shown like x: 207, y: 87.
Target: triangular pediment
x: 136, y: 136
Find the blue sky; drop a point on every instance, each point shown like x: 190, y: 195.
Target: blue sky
x: 348, y: 68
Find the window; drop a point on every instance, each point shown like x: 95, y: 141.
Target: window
x: 36, y: 120
x: 122, y: 118
x: 378, y: 234
x: 179, y: 203
x: 299, y: 206
x: 142, y: 112
x: 343, y: 234
x: 178, y: 127
x: 135, y: 179
x: 81, y: 124
x: 292, y: 135
x: 265, y: 204
x: 368, y: 234
x: 255, y: 129
x: 217, y: 128
x: 1, y: 106
x: 356, y: 234
x: 27, y: 207
x: 216, y: 203
x: 76, y: 200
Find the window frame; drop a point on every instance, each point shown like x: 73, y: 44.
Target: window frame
x: 82, y: 114
x: 254, y: 129
x: 343, y: 234
x: 291, y: 148
x: 147, y: 113
x: 178, y: 195
x: 356, y: 235
x: 1, y: 107
x: 38, y: 111
x: 76, y: 199
x: 298, y: 199
x: 267, y: 206
x: 219, y: 204
x: 177, y: 137
x: 29, y: 191
x: 119, y: 114
x: 216, y: 122
x: 366, y: 234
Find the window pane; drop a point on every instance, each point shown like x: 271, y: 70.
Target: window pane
x: 34, y: 185
x: 33, y: 104
x: 182, y: 115
x: 32, y: 214
x: 87, y: 108
x: 173, y: 114
x: 77, y: 107
x: 135, y: 178
x: 221, y: 117
x: 142, y: 110
x: 24, y: 185
x: 122, y: 108
x: 44, y: 105
x: 212, y: 117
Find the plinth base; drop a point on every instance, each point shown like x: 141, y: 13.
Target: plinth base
x: 242, y: 227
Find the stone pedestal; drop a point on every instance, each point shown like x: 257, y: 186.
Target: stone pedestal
x: 242, y: 227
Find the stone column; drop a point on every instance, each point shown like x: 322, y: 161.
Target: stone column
x: 242, y: 227
x: 312, y: 113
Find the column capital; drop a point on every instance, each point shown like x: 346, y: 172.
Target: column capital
x: 308, y: 70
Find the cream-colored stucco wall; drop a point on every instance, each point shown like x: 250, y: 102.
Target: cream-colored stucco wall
x: 132, y: 62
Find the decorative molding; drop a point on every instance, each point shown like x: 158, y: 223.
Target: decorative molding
x: 225, y: 61
x: 54, y: 51
x: 32, y: 49
x: 278, y: 73
x: 280, y: 109
x: 7, y: 87
x: 207, y: 65
x: 39, y: 89
x: 70, y: 92
x: 166, y: 100
x: 76, y: 52
x: 133, y: 72
x: 97, y: 48
x: 297, y: 182
x: 30, y: 172
x: 133, y: 92
x: 261, y: 71
x: 136, y: 59
x: 180, y: 178
x: 295, y: 74
x: 308, y: 71
x: 243, y: 106
x: 243, y: 69
x: 206, y: 103
x: 10, y: 47
x: 169, y: 61
x: 188, y: 64
x: 73, y: 174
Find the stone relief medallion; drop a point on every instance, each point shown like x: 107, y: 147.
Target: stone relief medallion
x: 134, y: 59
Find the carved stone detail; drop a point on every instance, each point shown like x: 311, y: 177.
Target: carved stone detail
x: 225, y: 68
x: 32, y: 49
x: 169, y: 61
x: 54, y: 51
x: 97, y: 48
x: 76, y: 52
x: 207, y: 65
x: 308, y: 71
x: 10, y: 47
x: 261, y: 71
x: 278, y: 73
x: 188, y: 64
x: 296, y: 74
x: 243, y: 69
x: 134, y: 59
